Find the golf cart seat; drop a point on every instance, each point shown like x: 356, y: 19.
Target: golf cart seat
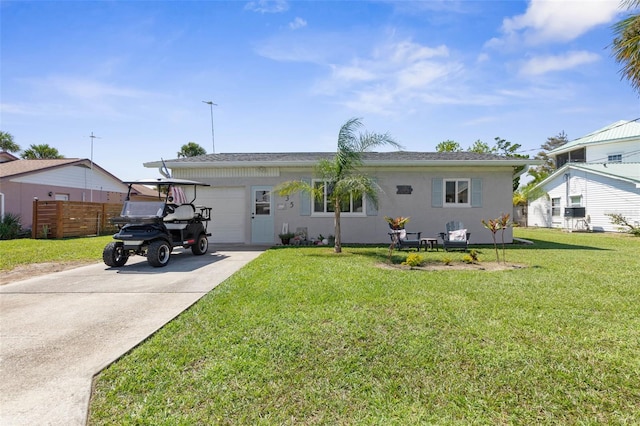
x: 180, y: 216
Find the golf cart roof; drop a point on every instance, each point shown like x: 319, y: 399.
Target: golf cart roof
x: 164, y: 181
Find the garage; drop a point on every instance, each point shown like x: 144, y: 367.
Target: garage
x: 228, y: 213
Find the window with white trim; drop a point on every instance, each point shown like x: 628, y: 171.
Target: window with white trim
x: 576, y: 200
x: 555, y: 206
x: 456, y: 192
x: 354, y: 206
x: 614, y: 158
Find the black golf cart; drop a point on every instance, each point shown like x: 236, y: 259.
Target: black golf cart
x: 154, y: 228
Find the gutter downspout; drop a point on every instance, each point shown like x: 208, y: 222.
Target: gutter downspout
x: 567, y: 176
x: 1, y: 206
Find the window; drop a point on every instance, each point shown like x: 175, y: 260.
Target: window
x: 355, y: 205
x: 614, y: 158
x: 456, y: 192
x: 575, y: 200
x: 555, y: 206
x: 262, y: 202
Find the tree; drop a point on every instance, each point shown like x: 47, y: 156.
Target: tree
x: 448, y: 146
x: 7, y: 143
x: 40, y: 152
x: 508, y: 149
x: 191, y: 149
x: 340, y: 177
x: 501, y: 147
x: 542, y: 171
x: 481, y: 147
x: 626, y: 44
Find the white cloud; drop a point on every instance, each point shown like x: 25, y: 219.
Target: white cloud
x: 483, y: 57
x: 557, y: 20
x: 297, y: 23
x: 352, y: 73
x: 543, y: 64
x: 267, y: 6
x: 421, y: 74
x: 407, y: 51
x: 394, y: 75
x: 79, y: 96
x: 90, y: 89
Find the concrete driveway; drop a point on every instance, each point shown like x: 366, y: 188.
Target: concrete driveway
x: 57, y: 331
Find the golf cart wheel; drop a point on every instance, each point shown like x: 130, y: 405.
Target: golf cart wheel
x: 158, y: 253
x: 114, y: 254
x: 201, y: 246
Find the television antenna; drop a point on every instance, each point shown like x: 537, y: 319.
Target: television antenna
x: 213, y: 139
x: 92, y: 137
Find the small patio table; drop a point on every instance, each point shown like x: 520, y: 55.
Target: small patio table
x: 430, y: 243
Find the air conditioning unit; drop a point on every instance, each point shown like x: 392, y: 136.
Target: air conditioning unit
x: 579, y: 212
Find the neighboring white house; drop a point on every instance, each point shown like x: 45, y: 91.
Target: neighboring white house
x: 597, y: 174
x: 430, y: 188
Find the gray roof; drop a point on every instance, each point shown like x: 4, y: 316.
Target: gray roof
x: 369, y: 158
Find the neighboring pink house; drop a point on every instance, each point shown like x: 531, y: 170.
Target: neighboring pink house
x: 72, y: 179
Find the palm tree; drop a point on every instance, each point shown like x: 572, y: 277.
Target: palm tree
x: 626, y: 44
x: 7, y: 143
x: 340, y: 176
x: 41, y: 152
x: 191, y: 149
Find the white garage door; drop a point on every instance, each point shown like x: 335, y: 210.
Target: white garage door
x: 228, y: 214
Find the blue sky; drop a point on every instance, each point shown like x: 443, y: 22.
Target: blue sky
x: 285, y: 75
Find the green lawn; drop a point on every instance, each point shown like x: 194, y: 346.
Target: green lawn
x: 304, y: 336
x: 26, y: 250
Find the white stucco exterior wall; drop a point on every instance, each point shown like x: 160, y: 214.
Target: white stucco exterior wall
x: 370, y: 227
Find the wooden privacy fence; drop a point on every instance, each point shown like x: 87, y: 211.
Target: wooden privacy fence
x: 62, y: 219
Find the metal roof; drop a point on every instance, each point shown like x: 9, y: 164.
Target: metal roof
x: 629, y: 172
x: 618, y: 131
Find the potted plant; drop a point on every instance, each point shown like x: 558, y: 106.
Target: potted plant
x: 286, y: 237
x: 396, y: 223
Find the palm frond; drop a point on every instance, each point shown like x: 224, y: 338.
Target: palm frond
x: 326, y: 170
x: 369, y: 140
x: 292, y: 186
x: 626, y: 46
x: 357, y: 185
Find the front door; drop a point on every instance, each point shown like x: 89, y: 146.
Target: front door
x: 261, y: 215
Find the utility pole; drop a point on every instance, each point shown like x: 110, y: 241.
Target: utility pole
x: 213, y: 139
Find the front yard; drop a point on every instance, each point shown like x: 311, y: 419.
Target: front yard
x: 304, y: 336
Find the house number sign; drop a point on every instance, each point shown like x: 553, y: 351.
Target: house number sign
x: 404, y: 189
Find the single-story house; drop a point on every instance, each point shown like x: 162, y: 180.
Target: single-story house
x: 430, y: 188
x: 70, y: 179
x: 598, y: 174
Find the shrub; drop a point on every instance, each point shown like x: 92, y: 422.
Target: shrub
x: 624, y: 224
x: 10, y: 226
x: 471, y: 257
x: 413, y: 260
x: 447, y: 260
x: 494, y: 225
